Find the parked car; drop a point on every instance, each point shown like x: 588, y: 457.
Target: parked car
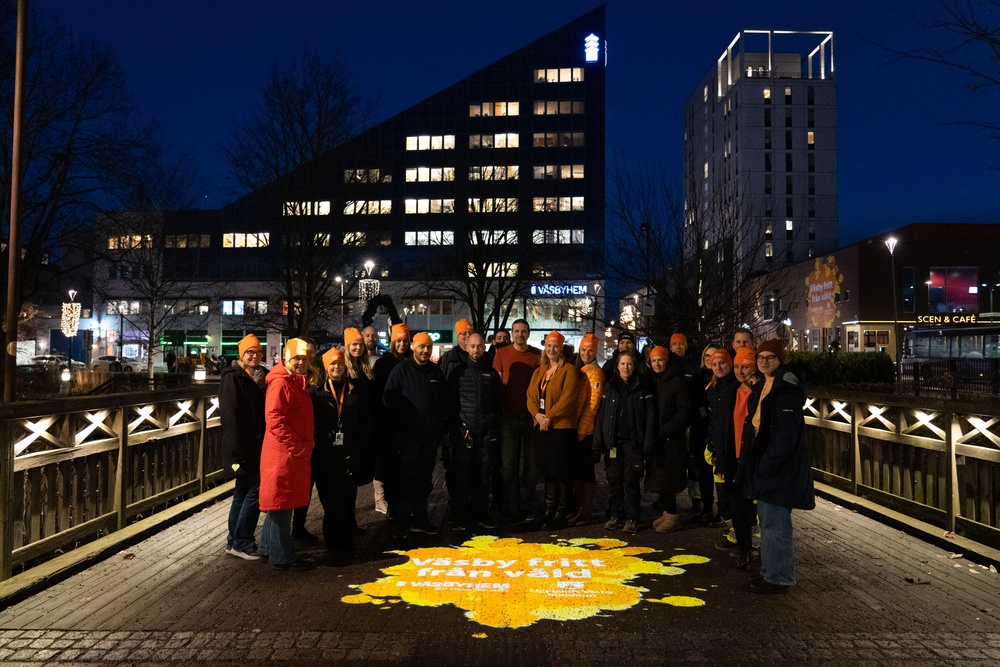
x: 57, y: 362
x: 113, y: 363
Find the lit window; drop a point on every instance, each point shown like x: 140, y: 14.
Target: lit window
x: 427, y: 238
x: 322, y: 239
x: 811, y: 140
x: 493, y: 173
x: 421, y: 206
x: 428, y: 174
x: 554, y: 204
x: 706, y: 170
x: 493, y: 270
x: 428, y: 142
x: 354, y: 238
x: 789, y: 225
x: 561, y: 107
x: 768, y: 250
x: 251, y: 240
x: 561, y: 75
x: 493, y: 205
x: 495, y: 109
x: 767, y: 96
x: 369, y: 207
x: 306, y: 208
x: 493, y: 237
x: 559, y: 236
x: 131, y: 242
x: 554, y: 171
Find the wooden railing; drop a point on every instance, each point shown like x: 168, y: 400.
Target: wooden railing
x: 933, y: 460
x: 77, y: 468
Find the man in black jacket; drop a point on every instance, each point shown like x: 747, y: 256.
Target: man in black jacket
x: 475, y: 389
x: 241, y: 410
x: 416, y: 398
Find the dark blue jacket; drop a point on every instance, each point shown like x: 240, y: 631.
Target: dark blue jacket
x: 476, y: 391
x: 639, y: 409
x: 777, y: 466
x: 721, y: 439
x: 417, y: 398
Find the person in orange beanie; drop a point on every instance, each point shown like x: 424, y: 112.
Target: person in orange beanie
x: 588, y: 402
x: 399, y: 349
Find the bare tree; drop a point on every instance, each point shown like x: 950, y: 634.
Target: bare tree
x: 307, y: 108
x: 136, y: 279
x: 704, y: 267
x: 285, y: 153
x: 969, y: 32
x: 82, y: 135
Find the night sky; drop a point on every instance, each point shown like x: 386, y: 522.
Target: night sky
x: 195, y: 67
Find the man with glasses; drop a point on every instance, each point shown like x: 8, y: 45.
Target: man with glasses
x: 778, y: 472
x: 241, y: 410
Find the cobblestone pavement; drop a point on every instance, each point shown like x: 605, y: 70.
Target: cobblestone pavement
x: 866, y: 595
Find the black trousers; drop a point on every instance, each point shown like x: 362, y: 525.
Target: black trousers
x: 416, y: 455
x: 624, y: 474
x: 338, y: 492
x: 469, y: 477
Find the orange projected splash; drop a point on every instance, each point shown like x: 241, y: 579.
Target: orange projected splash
x: 506, y: 583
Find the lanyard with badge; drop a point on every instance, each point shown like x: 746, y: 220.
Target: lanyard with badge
x: 338, y: 438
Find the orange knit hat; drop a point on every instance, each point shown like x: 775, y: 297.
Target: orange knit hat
x: 746, y: 356
x: 331, y: 354
x: 296, y: 347
x: 246, y: 343
x: 659, y: 351
x: 721, y: 353
x: 555, y: 337
x: 400, y: 332
x: 679, y: 338
x: 463, y: 325
x: 422, y: 338
x: 351, y: 335
x: 588, y: 341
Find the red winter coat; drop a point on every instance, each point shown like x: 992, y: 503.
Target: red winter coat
x: 288, y: 442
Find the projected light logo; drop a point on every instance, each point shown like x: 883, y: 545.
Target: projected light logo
x: 507, y: 583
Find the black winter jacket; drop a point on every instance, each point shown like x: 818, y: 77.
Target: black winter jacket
x: 241, y: 410
x: 721, y: 438
x: 776, y: 467
x: 417, y: 398
x: 452, y: 360
x: 640, y: 410
x: 674, y: 408
x: 476, y: 392
x: 340, y: 462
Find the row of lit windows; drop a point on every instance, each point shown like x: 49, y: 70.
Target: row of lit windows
x: 429, y: 238
x: 243, y: 307
x: 187, y: 241
x: 560, y: 236
x: 435, y: 142
x: 493, y: 173
x: 557, y: 139
x: 306, y: 207
x: 553, y: 171
x: 369, y: 207
x: 251, y: 240
x: 495, y: 109
x: 430, y: 174
x: 553, y: 204
x: 429, y: 205
x: 130, y: 242
x: 498, y: 140
x: 366, y: 176
x: 493, y: 205
x: 558, y: 107
x: 559, y: 75
x: 495, y: 237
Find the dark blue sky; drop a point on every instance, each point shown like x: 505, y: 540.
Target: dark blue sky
x: 195, y: 66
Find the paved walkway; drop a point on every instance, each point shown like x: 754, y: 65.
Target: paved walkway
x: 867, y: 595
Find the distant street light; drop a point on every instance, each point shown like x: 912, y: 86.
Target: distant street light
x: 341, y: 282
x: 890, y: 243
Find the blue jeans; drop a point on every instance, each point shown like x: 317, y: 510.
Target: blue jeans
x: 244, y: 513
x: 276, y: 538
x: 777, y: 553
x: 516, y: 441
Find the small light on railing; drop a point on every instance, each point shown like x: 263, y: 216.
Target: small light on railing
x: 199, y: 373
x: 65, y: 375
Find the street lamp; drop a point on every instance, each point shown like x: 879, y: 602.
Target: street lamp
x: 70, y: 323
x: 340, y: 280
x: 992, y: 287
x: 597, y: 291
x: 890, y: 243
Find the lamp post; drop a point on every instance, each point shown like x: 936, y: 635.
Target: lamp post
x: 890, y: 243
x: 340, y: 281
x: 992, y: 287
x: 597, y: 291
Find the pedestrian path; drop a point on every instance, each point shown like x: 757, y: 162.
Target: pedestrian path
x: 867, y: 595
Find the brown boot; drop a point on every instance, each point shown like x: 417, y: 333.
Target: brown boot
x: 660, y: 519
x: 586, y: 503
x: 666, y: 524
x: 578, y: 494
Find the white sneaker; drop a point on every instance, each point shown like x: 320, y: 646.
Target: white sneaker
x: 245, y: 555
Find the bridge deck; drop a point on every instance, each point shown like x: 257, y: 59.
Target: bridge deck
x: 176, y: 598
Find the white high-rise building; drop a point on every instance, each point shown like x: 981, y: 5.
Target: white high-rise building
x: 760, y: 151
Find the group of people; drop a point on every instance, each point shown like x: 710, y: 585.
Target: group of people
x: 728, y: 425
